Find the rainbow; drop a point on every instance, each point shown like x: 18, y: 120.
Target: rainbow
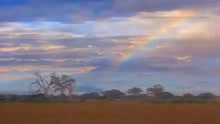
x: 164, y: 29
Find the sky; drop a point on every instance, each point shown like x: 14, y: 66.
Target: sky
x: 112, y: 44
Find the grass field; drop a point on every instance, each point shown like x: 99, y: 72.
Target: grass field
x: 108, y: 113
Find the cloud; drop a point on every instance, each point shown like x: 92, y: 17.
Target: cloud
x: 105, y: 46
x: 124, y: 43
x: 183, y: 58
x: 84, y: 10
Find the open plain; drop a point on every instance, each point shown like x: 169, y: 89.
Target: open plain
x: 106, y: 112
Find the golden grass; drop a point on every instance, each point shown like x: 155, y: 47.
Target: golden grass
x: 108, y: 113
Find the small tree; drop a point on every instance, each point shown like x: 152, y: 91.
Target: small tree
x: 135, y: 91
x: 207, y: 95
x: 188, y: 96
x: 92, y: 95
x: 155, y: 91
x: 113, y: 94
x: 166, y: 95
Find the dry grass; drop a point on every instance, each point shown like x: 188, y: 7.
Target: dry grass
x: 108, y: 113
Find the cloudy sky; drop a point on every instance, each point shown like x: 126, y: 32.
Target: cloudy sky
x: 107, y: 44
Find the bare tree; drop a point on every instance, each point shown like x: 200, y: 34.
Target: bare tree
x: 62, y: 84
x: 135, y: 91
x: 42, y: 84
x: 52, y: 83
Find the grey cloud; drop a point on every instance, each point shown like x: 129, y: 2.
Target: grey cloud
x: 156, y: 64
x: 79, y: 11
x: 197, y: 48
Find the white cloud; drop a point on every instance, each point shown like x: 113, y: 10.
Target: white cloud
x: 184, y: 58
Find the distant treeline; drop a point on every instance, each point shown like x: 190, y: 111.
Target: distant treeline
x: 155, y: 94
x: 46, y: 86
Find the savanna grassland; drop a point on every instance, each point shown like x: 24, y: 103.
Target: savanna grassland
x: 109, y: 113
